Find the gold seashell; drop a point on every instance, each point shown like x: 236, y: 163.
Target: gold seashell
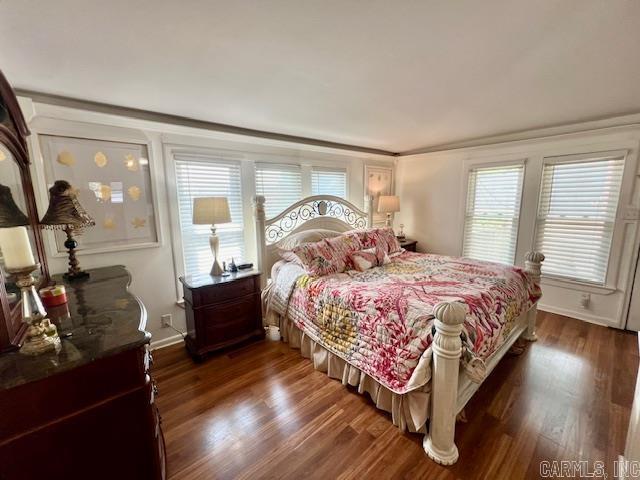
x: 131, y: 163
x: 138, y: 222
x: 105, y: 192
x: 134, y: 193
x: 66, y: 158
x: 100, y: 159
x: 109, y: 223
x: 3, y: 156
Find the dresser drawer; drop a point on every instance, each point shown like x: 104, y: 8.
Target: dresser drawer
x: 226, y: 291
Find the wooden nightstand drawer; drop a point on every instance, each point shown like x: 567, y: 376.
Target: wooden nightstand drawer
x: 227, y: 291
x: 231, y: 320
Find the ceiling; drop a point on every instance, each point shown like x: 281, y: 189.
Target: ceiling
x: 394, y: 75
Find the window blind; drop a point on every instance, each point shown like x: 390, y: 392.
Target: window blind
x: 206, y: 177
x: 576, y: 215
x: 281, y: 186
x: 327, y: 181
x: 492, y: 213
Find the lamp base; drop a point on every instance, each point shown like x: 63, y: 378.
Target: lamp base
x: 74, y: 272
x: 214, y: 242
x: 216, y: 270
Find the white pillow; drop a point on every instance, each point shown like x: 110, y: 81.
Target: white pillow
x: 296, y: 239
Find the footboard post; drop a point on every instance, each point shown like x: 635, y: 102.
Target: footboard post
x: 532, y: 265
x: 261, y: 246
x: 447, y: 348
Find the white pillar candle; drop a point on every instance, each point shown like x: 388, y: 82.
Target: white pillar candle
x: 16, y: 248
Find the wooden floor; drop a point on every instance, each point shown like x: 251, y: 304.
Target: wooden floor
x: 262, y: 411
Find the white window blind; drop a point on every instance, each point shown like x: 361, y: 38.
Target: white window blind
x: 493, y: 212
x: 281, y: 186
x: 576, y: 215
x: 207, y: 177
x: 328, y: 181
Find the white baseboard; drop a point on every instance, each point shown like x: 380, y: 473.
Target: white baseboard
x: 165, y: 342
x: 605, y: 322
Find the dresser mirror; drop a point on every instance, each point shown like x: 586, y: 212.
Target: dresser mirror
x: 16, y: 195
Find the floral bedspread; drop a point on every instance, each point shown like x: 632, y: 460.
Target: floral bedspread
x: 381, y: 320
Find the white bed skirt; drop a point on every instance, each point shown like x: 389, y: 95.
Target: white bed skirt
x: 409, y: 411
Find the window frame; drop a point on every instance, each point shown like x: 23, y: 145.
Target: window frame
x: 215, y: 158
x: 474, y: 164
x: 291, y: 165
x: 324, y: 168
x: 611, y: 273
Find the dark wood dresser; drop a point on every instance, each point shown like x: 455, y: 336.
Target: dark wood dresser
x: 87, y: 411
x: 221, y: 311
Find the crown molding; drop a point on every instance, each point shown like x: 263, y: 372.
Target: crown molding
x: 148, y: 115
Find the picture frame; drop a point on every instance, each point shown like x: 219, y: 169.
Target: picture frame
x: 114, y: 183
x: 378, y: 180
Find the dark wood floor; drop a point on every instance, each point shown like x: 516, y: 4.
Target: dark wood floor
x: 261, y: 411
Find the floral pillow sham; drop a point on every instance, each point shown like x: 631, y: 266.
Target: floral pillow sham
x: 363, y: 260
x: 380, y: 237
x: 328, y: 256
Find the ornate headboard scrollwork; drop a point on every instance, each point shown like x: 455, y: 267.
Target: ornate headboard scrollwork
x: 313, y: 207
x: 318, y: 211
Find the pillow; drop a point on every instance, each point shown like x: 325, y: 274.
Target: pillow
x: 368, y: 258
x: 382, y: 237
x: 327, y: 256
x: 287, y: 244
x: 306, y: 236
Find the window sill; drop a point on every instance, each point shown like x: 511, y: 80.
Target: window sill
x: 578, y: 285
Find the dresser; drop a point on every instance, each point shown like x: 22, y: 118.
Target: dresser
x: 221, y: 311
x: 87, y: 411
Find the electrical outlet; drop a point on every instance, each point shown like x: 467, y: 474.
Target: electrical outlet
x: 167, y: 320
x: 585, y: 300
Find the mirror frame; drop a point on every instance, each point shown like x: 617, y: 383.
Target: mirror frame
x: 14, y: 138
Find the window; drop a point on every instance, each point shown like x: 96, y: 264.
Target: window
x: 281, y: 186
x: 576, y: 215
x: 329, y: 181
x: 492, y: 213
x: 198, y: 176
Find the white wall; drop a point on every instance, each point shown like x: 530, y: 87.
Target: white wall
x: 154, y: 270
x: 432, y: 189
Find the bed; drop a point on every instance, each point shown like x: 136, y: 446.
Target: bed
x: 418, y: 333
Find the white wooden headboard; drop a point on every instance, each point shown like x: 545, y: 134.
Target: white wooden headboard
x: 318, y: 211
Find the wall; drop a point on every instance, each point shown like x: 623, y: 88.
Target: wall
x: 154, y: 270
x: 432, y: 189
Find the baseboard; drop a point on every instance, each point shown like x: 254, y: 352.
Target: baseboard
x: 603, y: 321
x: 165, y: 342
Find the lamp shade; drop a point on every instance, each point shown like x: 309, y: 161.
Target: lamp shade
x: 64, y: 209
x: 10, y: 214
x: 211, y: 210
x: 388, y: 204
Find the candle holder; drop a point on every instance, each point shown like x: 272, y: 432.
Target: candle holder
x: 42, y: 335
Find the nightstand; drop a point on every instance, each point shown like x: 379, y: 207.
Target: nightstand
x: 408, y: 244
x: 221, y: 311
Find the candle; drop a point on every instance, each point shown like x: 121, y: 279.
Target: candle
x: 16, y: 248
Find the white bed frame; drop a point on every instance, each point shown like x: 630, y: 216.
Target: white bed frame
x: 451, y: 386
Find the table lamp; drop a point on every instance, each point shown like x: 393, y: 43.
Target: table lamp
x: 65, y: 213
x: 19, y: 262
x: 388, y: 204
x: 212, y: 211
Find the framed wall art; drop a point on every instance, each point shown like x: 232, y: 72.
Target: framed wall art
x: 113, y: 183
x: 378, y: 180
